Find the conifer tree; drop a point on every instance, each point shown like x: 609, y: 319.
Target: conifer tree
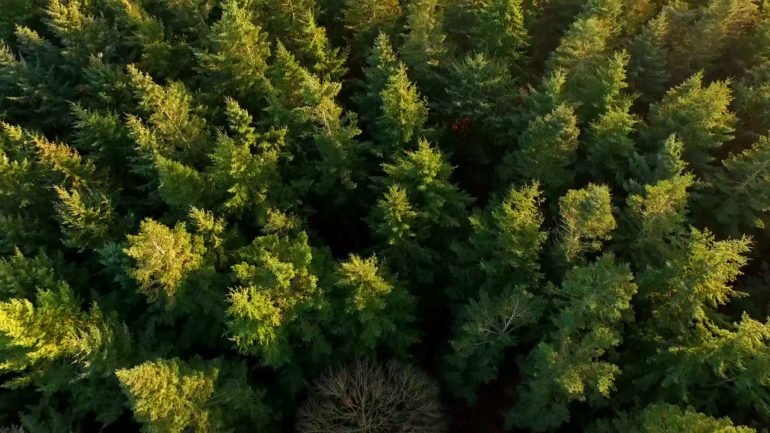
x: 586, y: 221
x: 493, y: 27
x: 699, y: 116
x: 738, y: 193
x: 752, y: 96
x: 568, y: 366
x: 404, y: 114
x: 659, y: 418
x: 504, y: 246
x: 173, y: 128
x: 172, y: 396
x: 610, y: 151
x: 594, y: 74
x: 546, y: 150
x: 382, y: 63
x: 654, y: 219
x: 480, y: 95
x: 237, y: 59
x: 424, y: 49
x: 648, y: 71
x: 419, y: 213
x: 378, y: 309
x: 498, y: 271
x: 365, y: 19
x: 277, y: 310
x: 245, y: 164
x: 163, y: 259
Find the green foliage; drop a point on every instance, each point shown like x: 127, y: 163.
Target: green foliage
x: 278, y: 307
x: 419, y: 213
x: 379, y: 309
x: 568, y: 366
x: 172, y: 396
x: 586, y: 221
x: 221, y: 199
x: 163, y: 259
x: 546, y: 150
x: 660, y: 418
x: 699, y: 116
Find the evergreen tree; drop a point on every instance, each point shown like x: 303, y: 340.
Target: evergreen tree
x: 546, y: 150
x: 424, y: 49
x: 660, y: 418
x: 164, y: 258
x: 594, y: 74
x: 498, y: 270
x: 404, y: 114
x: 365, y: 19
x: 493, y: 27
x: 699, y: 116
x: 419, y: 213
x: 237, y: 59
x: 586, y: 221
x: 277, y: 310
x: 568, y: 366
x: 172, y: 396
x: 378, y: 309
x: 738, y: 193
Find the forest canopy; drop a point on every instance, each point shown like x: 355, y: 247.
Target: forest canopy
x: 379, y: 216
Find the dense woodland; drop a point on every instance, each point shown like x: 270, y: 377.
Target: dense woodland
x: 385, y: 216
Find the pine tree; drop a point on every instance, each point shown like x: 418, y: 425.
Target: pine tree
x: 692, y: 283
x: 480, y: 95
x: 738, y: 193
x: 648, y: 72
x: 610, y: 151
x: 86, y: 219
x: 365, y: 19
x: 493, y: 27
x: 752, y: 99
x: 245, y: 164
x: 568, y: 366
x: 404, y: 114
x: 504, y: 246
x: 173, y: 129
x: 237, y: 58
x: 653, y: 220
x: 594, y: 74
x: 696, y: 37
x: 712, y: 362
x: 424, y: 48
x: 382, y: 64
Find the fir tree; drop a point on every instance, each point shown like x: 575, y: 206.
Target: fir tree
x: 172, y: 396
x: 164, y: 259
x: 659, y: 418
x: 546, y: 150
x: 568, y: 366
x: 699, y: 116
x: 586, y: 221
x: 419, y: 213
x: 378, y: 309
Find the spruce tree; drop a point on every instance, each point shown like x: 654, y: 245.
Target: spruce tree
x: 569, y: 366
